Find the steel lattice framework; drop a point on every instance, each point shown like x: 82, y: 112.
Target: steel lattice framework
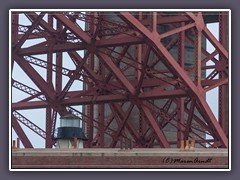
x: 126, y: 64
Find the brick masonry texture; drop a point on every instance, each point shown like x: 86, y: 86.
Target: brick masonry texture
x: 119, y: 160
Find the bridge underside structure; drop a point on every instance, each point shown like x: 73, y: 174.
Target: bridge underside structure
x: 119, y: 75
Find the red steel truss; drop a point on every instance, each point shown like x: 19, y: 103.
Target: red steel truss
x: 134, y: 86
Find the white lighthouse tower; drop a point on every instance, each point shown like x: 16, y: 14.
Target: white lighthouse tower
x: 70, y: 133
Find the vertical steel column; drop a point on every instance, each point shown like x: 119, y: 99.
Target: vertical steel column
x: 197, y: 54
x: 49, y: 123
x: 48, y: 142
x: 101, y: 125
x: 59, y: 66
x: 101, y: 113
x: 140, y: 50
x: 14, y: 36
x: 189, y: 120
x: 90, y: 61
x: 154, y: 22
x: 101, y: 108
x: 181, y: 47
x: 223, y: 90
x: 89, y: 125
x: 142, y: 55
x: 90, y: 107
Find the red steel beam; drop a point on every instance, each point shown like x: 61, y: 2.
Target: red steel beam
x: 180, y: 104
x: 115, y: 70
x: 31, y: 72
x: 213, y: 83
x: 24, y: 88
x: 72, y: 78
x: 127, y: 17
x: 159, y: 133
x: 198, y: 58
x: 29, y: 124
x: 176, y: 30
x: 120, y: 128
x: 210, y: 36
x: 100, y: 99
x: 215, y: 43
x: 205, y: 52
x: 223, y: 89
x: 121, y: 114
x: 154, y: 21
x: 21, y: 134
x: 48, y: 142
x: 156, y: 94
x: 28, y: 33
x: 189, y: 121
x: 15, y: 23
x: 142, y: 68
x: 88, y: 86
x: 167, y: 20
x: 87, y: 68
x: 73, y: 27
x: 101, y: 137
x: 29, y: 105
x: 68, y: 46
x: 43, y: 49
x: 59, y: 64
x: 101, y: 113
x: 33, y: 16
x: 14, y: 32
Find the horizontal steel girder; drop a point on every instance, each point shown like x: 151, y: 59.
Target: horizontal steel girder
x: 67, y: 46
x: 99, y: 99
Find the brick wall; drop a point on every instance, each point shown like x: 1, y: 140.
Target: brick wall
x: 118, y: 162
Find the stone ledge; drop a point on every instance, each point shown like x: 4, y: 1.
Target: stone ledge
x: 116, y: 158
